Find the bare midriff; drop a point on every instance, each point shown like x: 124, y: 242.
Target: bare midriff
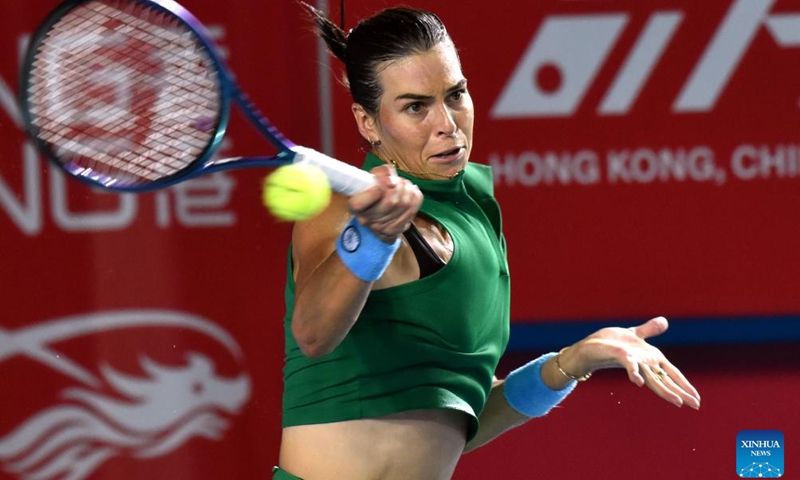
x: 418, y: 444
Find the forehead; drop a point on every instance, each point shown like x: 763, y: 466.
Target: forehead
x: 422, y: 73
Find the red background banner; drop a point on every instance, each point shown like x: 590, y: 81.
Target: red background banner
x: 629, y: 190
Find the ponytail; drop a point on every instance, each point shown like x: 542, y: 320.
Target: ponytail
x: 334, y: 36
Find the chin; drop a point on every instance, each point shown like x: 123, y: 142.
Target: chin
x: 460, y: 164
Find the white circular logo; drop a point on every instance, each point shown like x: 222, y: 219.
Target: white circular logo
x: 351, y: 239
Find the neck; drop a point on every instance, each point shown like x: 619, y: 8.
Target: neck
x: 426, y: 175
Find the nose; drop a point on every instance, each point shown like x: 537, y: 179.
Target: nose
x: 446, y: 121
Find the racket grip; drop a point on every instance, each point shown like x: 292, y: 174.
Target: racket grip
x: 344, y: 178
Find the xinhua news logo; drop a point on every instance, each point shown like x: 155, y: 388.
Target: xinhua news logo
x: 759, y: 454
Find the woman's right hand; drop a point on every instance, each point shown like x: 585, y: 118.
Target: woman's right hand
x: 388, y: 207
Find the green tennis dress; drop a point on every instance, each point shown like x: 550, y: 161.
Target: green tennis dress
x: 431, y: 343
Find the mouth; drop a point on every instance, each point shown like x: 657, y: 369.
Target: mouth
x: 449, y: 154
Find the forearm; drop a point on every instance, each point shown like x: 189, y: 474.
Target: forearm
x: 327, y: 305
x: 499, y: 416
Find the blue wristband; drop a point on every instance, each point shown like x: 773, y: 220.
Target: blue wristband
x: 526, y: 392
x: 366, y: 255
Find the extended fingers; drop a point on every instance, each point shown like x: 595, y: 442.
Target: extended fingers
x: 644, y: 363
x: 681, y: 385
x: 658, y: 381
x: 673, y: 390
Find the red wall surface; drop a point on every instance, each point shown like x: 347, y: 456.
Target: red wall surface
x: 610, y: 429
x: 141, y: 336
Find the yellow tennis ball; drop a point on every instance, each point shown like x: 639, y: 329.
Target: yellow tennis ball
x: 296, y: 192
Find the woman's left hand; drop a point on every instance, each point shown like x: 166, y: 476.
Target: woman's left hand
x: 627, y: 348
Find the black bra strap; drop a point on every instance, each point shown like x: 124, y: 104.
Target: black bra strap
x: 429, y: 262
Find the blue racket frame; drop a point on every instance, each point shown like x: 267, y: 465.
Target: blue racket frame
x: 229, y: 90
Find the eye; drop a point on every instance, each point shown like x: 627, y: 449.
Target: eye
x: 458, y: 95
x: 415, y: 107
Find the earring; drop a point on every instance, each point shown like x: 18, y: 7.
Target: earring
x: 374, y: 143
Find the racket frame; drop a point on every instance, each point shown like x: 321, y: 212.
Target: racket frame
x: 287, y: 153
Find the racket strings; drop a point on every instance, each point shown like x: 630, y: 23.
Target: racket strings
x: 122, y: 91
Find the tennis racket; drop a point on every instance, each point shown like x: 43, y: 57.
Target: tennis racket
x: 131, y: 95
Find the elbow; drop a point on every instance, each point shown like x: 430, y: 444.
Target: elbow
x: 310, y: 342
x: 319, y: 328
x: 313, y: 350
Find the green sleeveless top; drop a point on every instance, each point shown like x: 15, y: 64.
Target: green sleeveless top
x: 431, y: 343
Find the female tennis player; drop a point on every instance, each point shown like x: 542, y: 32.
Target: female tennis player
x: 398, y: 298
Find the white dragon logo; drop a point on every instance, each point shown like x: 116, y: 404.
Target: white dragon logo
x: 149, y: 416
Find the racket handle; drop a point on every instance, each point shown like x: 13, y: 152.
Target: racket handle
x: 344, y: 178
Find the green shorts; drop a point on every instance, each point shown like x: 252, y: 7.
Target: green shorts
x: 279, y: 474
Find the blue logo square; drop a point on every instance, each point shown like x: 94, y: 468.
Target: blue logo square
x: 759, y: 454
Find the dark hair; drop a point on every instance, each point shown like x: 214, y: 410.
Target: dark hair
x: 390, y: 35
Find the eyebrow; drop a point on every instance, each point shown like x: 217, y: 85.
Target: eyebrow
x: 414, y: 96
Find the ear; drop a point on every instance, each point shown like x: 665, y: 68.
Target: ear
x: 367, y: 124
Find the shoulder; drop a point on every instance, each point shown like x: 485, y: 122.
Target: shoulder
x: 479, y: 180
